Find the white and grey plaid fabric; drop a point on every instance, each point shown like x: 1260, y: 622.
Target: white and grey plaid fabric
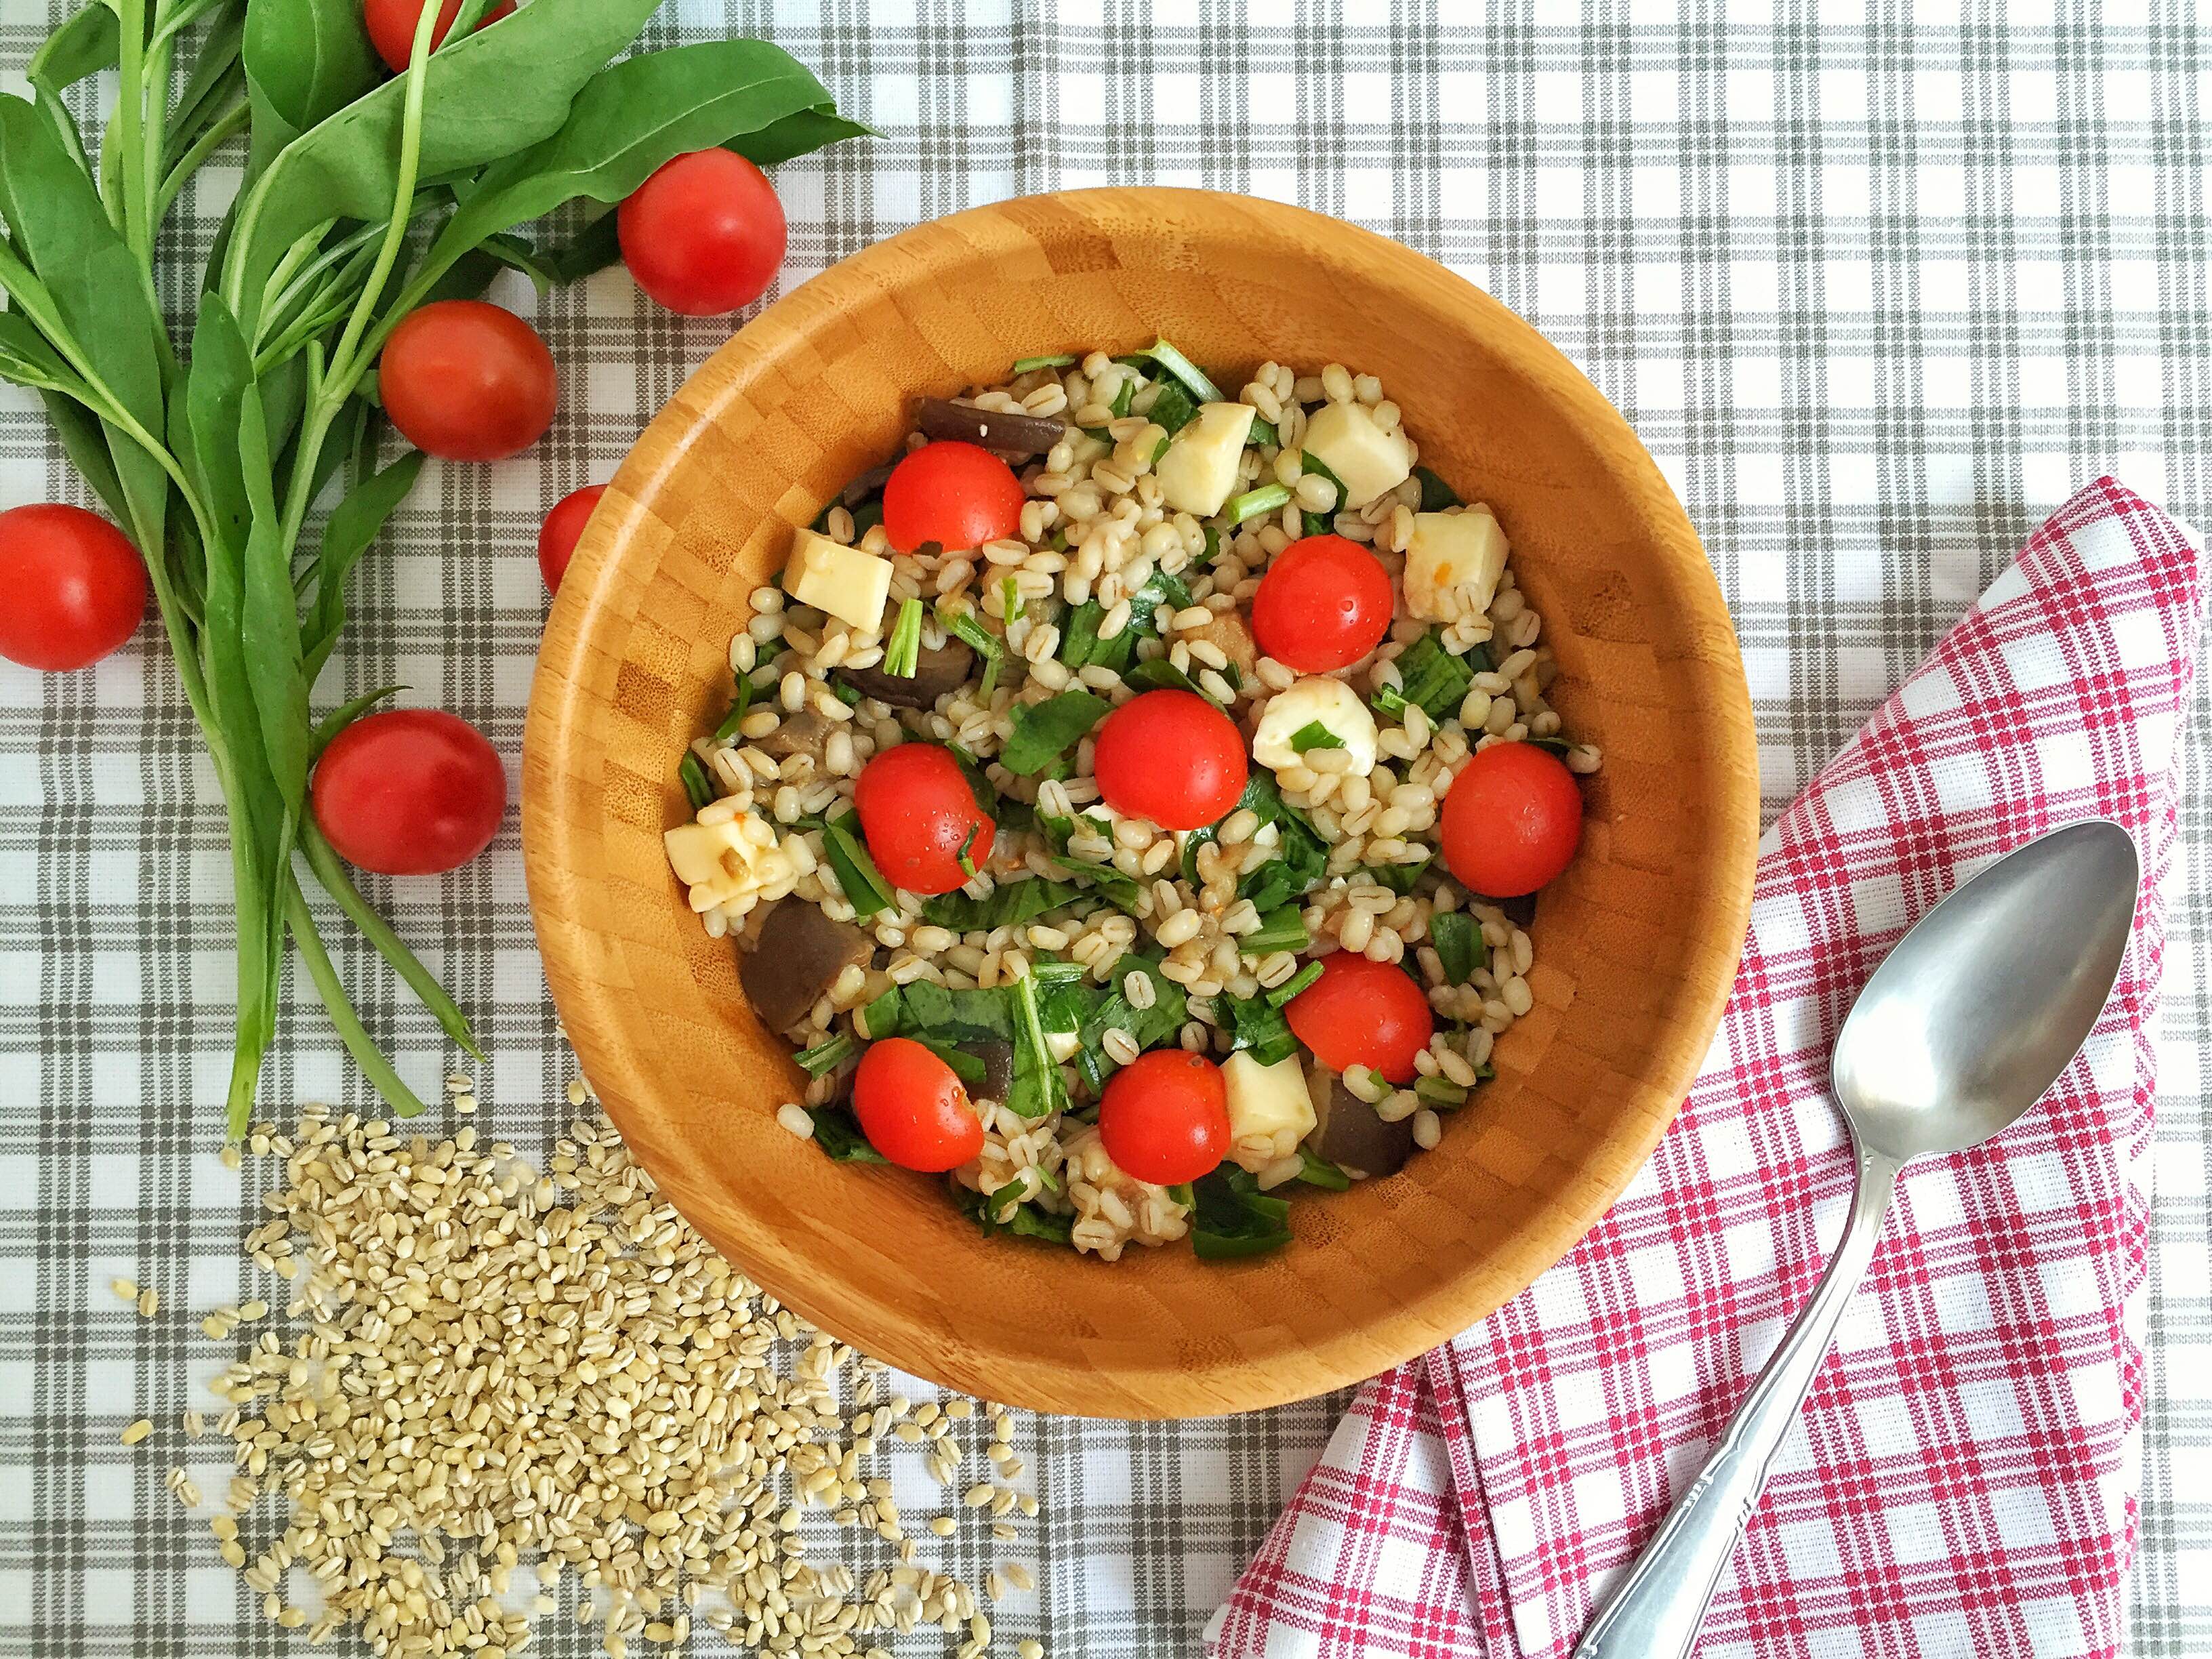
x: 1865, y: 276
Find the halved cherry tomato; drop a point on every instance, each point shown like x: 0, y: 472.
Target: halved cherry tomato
x: 1164, y: 1117
x: 563, y: 526
x: 953, y: 494
x: 704, y: 234
x: 1323, y: 604
x: 1172, y: 757
x: 411, y: 792
x: 467, y: 381
x: 912, y: 1108
x: 919, y: 816
x: 1511, y: 820
x: 1363, y: 1013
x: 391, y: 26
x: 71, y: 588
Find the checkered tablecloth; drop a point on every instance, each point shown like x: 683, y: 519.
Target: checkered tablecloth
x: 1879, y: 284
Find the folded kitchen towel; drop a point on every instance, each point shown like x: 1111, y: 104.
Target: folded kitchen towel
x: 1963, y: 1480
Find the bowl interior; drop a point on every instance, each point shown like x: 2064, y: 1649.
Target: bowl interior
x: 1635, y: 947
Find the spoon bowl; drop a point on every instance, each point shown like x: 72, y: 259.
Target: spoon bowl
x: 1978, y: 1008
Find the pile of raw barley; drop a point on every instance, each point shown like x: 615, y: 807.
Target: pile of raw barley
x: 497, y: 1385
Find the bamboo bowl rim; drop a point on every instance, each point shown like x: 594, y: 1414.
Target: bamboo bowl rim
x: 589, y: 934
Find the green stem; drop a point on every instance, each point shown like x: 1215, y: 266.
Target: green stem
x: 231, y: 121
x: 362, y: 1046
x: 250, y: 901
x: 332, y: 874
x: 131, y: 184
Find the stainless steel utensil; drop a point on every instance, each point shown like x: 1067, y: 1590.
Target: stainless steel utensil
x: 1960, y: 1029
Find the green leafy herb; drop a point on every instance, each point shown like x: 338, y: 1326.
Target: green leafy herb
x: 1043, y: 732
x: 1158, y: 674
x: 1257, y: 1024
x: 827, y: 1055
x: 1023, y: 1220
x: 1315, y: 524
x: 1459, y: 942
x: 926, y: 1010
x: 1314, y: 735
x: 1184, y: 370
x: 1254, y: 502
x: 1009, y: 905
x: 741, y: 704
x: 1232, y: 1217
x: 1261, y: 434
x: 1148, y: 1028
x: 985, y: 644
x: 969, y: 1068
x: 1122, y: 399
x: 1171, y: 411
x: 1081, y: 647
x: 1398, y: 878
x: 837, y: 1133
x: 1037, y: 1089
x: 1430, y: 675
x: 903, y: 651
x: 1436, y: 494
x: 864, y: 885
x: 1309, y: 462
x: 1301, y: 856
x: 1282, y: 929
x: 696, y: 784
x: 1062, y: 359
x: 1320, y: 1172
x: 1297, y: 982
x: 966, y: 854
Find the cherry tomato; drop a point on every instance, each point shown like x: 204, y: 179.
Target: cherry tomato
x: 918, y: 815
x: 74, y: 588
x: 912, y: 1108
x: 411, y: 792
x: 952, y: 494
x: 1324, y: 604
x: 1171, y: 757
x: 1363, y: 1013
x: 391, y: 26
x: 704, y: 234
x: 557, y: 536
x: 467, y: 381
x: 1511, y: 820
x: 1164, y: 1117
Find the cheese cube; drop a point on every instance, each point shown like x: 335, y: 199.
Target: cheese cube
x: 1270, y: 1111
x: 1369, y: 460
x: 850, y: 585
x: 1453, y: 563
x: 729, y: 859
x: 1199, y: 470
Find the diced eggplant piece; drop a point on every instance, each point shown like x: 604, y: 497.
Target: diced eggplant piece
x: 869, y: 483
x: 1520, y: 909
x: 1228, y: 631
x: 797, y: 957
x: 998, y: 1059
x: 1350, y: 1134
x: 802, y: 733
x: 937, y: 671
x: 990, y: 429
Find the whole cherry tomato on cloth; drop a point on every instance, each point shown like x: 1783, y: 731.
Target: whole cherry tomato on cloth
x: 563, y: 526
x: 391, y: 26
x: 1363, y: 1013
x: 920, y: 818
x: 953, y: 494
x: 72, y: 588
x: 912, y: 1108
x: 467, y: 381
x: 1172, y: 757
x: 1164, y: 1117
x: 704, y: 234
x: 1511, y: 820
x: 411, y: 792
x: 1323, y: 603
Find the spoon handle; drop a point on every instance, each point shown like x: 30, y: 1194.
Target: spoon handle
x: 1658, y: 1608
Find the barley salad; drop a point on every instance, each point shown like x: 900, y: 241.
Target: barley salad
x: 1130, y: 798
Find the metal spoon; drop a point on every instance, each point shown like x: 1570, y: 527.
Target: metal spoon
x: 1960, y: 1029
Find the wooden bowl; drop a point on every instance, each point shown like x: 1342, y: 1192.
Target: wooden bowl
x: 1635, y: 947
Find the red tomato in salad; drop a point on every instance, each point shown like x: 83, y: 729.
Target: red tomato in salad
x: 920, y: 817
x: 1323, y: 604
x: 391, y: 26
x: 1511, y: 820
x: 1172, y: 757
x: 912, y: 1108
x: 953, y: 494
x: 467, y: 381
x: 1164, y: 1117
x: 411, y: 792
x: 704, y: 234
x: 563, y: 527
x: 75, y: 587
x: 1363, y: 1013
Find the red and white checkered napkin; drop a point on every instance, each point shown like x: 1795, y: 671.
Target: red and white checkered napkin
x: 1963, y: 1481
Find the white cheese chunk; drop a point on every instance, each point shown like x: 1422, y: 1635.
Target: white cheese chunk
x: 1316, y: 700
x: 1270, y: 1111
x: 1345, y: 438
x: 850, y: 585
x: 1453, y: 563
x: 731, y: 859
x: 1199, y: 468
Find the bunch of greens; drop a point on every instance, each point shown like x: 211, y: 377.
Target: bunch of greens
x: 362, y: 197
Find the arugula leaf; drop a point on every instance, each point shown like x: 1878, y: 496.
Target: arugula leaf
x: 1460, y: 945
x: 1081, y: 647
x: 969, y: 1068
x: 1436, y: 494
x: 1309, y: 462
x: 1398, y: 878
x: 1281, y: 995
x: 1024, y: 1221
x: 1172, y: 410
x: 826, y: 1055
x: 1165, y: 355
x: 697, y: 786
x: 837, y: 1133
x: 1043, y: 732
x: 1037, y: 1089
x: 1010, y: 904
x: 1158, y: 674
x: 1302, y: 857
x: 856, y: 871
x: 1320, y: 1172
x: 1148, y: 1028
x: 741, y: 703
x: 926, y: 1009
x: 1280, y: 929
x: 1232, y: 1217
x: 1257, y: 1024
x: 1430, y: 675
x: 1314, y: 735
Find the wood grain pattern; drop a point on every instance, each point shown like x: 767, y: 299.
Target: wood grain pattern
x: 1635, y: 947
